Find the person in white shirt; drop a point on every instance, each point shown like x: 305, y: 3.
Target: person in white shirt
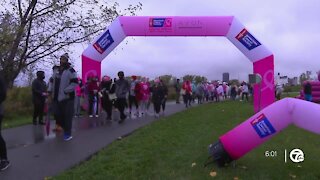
x: 245, y: 91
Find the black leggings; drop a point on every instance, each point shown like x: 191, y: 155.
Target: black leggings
x: 245, y: 94
x: 163, y: 104
x: 38, y: 109
x: 107, y: 106
x: 121, y: 104
x: 133, y: 100
x: 3, y: 148
x: 157, y: 106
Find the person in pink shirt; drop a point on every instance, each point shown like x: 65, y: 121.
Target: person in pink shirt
x: 186, y: 86
x: 93, y: 89
x: 145, y: 95
x: 79, y: 94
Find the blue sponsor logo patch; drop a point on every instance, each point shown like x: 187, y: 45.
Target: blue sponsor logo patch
x: 247, y: 40
x: 263, y: 126
x: 160, y: 22
x: 103, y: 42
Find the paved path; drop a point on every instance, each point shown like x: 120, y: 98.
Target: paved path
x: 34, y: 155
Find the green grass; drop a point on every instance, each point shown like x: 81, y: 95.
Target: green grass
x: 167, y: 148
x: 15, y: 121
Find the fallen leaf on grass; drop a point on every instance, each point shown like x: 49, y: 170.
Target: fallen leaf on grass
x: 243, y: 167
x: 193, y: 164
x: 235, y: 178
x: 213, y: 173
x: 292, y: 176
x: 119, y: 138
x: 299, y: 166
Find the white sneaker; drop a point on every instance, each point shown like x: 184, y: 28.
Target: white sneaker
x: 91, y: 116
x: 97, y: 116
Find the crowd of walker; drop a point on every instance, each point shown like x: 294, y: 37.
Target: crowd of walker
x: 66, y: 95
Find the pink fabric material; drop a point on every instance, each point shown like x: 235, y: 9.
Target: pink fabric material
x: 145, y: 91
x: 93, y: 86
x: 176, y: 25
x: 244, y: 138
x: 78, y: 91
x: 264, y: 67
x: 187, y: 87
x: 90, y: 67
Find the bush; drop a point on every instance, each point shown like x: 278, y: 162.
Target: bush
x: 18, y: 102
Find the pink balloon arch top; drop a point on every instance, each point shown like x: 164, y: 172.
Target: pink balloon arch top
x: 227, y: 26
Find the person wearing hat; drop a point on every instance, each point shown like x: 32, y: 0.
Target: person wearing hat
x: 66, y: 95
x: 122, y: 90
x: 107, y: 91
x: 157, y: 96
x: 39, y: 93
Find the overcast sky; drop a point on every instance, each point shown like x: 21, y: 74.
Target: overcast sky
x: 289, y: 28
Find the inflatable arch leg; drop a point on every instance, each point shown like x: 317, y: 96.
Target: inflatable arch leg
x: 264, y: 125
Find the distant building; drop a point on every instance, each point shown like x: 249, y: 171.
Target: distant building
x: 225, y: 77
x: 283, y: 80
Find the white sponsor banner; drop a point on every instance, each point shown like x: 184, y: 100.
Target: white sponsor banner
x: 106, y: 42
x: 246, y: 42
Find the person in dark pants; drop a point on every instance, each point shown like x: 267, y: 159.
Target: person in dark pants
x: 53, y: 92
x: 4, y: 163
x: 157, y: 97
x: 133, y: 100
x: 177, y: 87
x: 39, y: 94
x: 66, y: 96
x: 233, y: 92
x: 307, y: 91
x: 107, y: 89
x: 165, y: 91
x: 122, y: 90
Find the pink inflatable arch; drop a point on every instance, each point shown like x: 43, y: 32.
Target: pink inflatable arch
x: 263, y: 126
x: 228, y: 26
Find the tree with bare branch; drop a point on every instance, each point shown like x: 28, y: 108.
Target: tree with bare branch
x: 36, y: 31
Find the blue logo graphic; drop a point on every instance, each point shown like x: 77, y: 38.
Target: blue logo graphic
x: 103, y: 42
x: 247, y: 40
x: 263, y: 126
x: 160, y: 22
